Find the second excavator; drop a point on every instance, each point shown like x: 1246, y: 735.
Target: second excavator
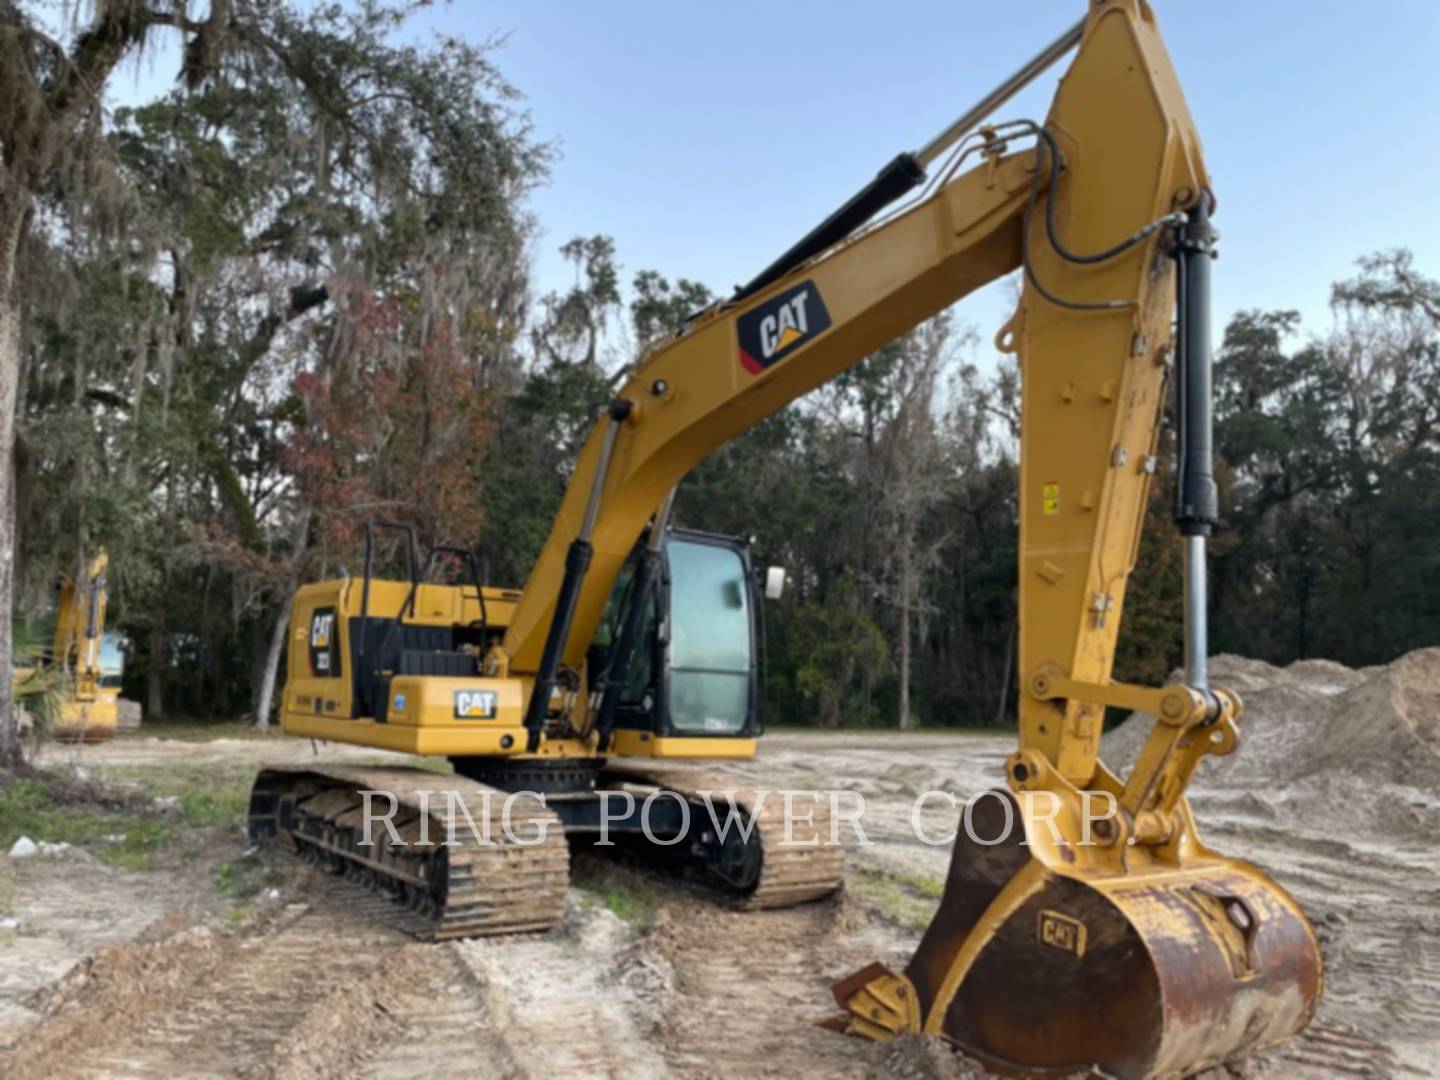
x: 1066, y: 941
x: 83, y: 662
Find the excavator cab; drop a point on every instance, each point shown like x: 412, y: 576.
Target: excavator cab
x: 694, y: 670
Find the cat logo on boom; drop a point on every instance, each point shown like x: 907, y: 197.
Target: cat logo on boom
x: 781, y: 325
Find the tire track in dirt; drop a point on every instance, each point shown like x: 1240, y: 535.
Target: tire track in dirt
x: 746, y: 990
x: 444, y: 1027
x: 561, y: 1003
x: 293, y: 972
x: 1378, y: 920
x: 703, y: 992
x: 70, y: 908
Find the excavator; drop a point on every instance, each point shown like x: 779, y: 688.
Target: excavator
x: 88, y: 698
x: 1066, y: 938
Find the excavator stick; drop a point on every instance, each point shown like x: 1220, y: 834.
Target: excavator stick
x: 1036, y: 969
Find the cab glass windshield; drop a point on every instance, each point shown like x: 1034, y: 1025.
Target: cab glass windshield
x: 710, y: 644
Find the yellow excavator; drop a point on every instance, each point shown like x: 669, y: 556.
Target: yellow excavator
x: 88, y: 704
x: 1066, y: 937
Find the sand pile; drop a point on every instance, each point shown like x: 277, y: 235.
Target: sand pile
x: 1365, y: 742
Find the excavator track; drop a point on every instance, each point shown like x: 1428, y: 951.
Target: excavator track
x: 485, y: 884
x: 771, y: 871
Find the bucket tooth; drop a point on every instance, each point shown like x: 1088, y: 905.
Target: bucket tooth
x: 878, y: 1004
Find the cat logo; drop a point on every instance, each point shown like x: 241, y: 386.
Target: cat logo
x: 1062, y: 932
x: 779, y: 326
x: 476, y: 704
x: 323, y: 659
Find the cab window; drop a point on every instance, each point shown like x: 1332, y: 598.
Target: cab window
x: 710, y: 639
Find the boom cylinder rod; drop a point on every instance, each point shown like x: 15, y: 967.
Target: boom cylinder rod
x: 577, y: 563
x: 1197, y: 618
x: 1197, y: 504
x: 1028, y: 73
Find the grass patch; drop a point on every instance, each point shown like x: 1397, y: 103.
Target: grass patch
x: 193, y: 730
x: 119, y: 829
x: 618, y: 889
x: 131, y: 815
x: 931, y: 888
x: 630, y: 904
x: 908, y: 899
x: 205, y: 796
x: 248, y: 876
x: 634, y: 906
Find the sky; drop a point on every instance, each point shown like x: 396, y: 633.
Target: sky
x: 706, y: 138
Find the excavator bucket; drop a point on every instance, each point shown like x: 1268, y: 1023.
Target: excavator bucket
x: 1039, y: 967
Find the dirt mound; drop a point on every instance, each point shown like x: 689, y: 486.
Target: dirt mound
x: 1389, y: 724
x: 1322, y: 732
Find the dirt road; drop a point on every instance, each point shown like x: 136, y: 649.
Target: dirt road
x: 116, y: 973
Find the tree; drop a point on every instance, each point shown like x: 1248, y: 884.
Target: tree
x: 834, y: 640
x: 659, y: 310
x: 251, y: 256
x: 573, y: 326
x: 1329, y: 470
x: 52, y: 150
x: 909, y: 479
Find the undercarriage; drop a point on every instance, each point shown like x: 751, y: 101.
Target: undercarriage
x: 486, y: 851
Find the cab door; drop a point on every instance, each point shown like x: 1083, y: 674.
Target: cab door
x: 707, y: 640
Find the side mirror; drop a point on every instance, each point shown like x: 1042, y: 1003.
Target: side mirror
x: 774, y: 582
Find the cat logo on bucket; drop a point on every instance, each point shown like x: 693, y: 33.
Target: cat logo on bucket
x: 476, y: 704
x: 1062, y: 932
x: 779, y: 326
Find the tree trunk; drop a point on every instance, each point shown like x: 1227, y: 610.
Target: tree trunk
x: 904, y: 664
x: 279, y: 635
x: 1005, y: 672
x: 155, y: 676
x: 12, y: 223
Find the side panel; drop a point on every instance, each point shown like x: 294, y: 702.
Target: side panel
x: 425, y: 715
x: 318, y: 678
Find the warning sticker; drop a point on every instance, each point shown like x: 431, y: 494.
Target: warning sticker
x: 1050, y: 498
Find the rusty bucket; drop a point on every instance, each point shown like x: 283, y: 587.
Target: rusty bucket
x: 1038, y: 966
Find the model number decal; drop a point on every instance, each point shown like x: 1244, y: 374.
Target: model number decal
x: 476, y: 704
x: 779, y: 326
